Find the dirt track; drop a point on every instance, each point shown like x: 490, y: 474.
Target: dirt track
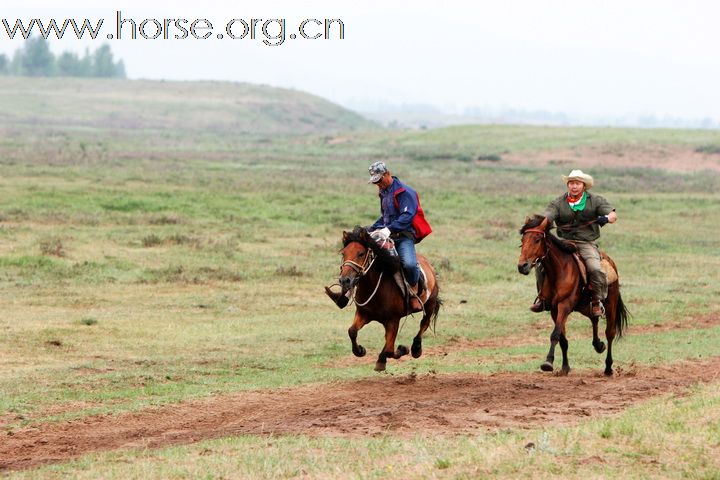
x: 403, y: 406
x: 672, y: 158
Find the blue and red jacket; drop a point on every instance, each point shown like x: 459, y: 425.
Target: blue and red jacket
x: 398, y: 205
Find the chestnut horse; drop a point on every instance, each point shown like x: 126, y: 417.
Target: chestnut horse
x: 367, y: 271
x: 564, y: 290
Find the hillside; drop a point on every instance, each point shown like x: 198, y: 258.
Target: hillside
x: 237, y: 108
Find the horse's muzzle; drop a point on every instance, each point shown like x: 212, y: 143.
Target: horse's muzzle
x: 525, y: 268
x: 347, y: 282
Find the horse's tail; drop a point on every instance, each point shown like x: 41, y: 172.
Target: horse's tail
x: 435, y: 311
x: 621, y: 315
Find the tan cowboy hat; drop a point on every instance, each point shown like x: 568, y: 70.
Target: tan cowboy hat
x: 579, y: 175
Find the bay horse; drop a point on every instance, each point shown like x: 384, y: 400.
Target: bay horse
x: 563, y: 288
x: 367, y: 272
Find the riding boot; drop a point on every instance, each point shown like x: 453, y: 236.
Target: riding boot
x: 598, y: 309
x: 420, y: 286
x: 416, y: 304
x: 538, y: 306
x: 340, y: 299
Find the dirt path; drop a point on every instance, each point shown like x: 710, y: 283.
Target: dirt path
x: 669, y: 157
x: 403, y: 406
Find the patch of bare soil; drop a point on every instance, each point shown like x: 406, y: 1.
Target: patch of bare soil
x: 403, y: 406
x: 671, y: 158
x: 703, y: 321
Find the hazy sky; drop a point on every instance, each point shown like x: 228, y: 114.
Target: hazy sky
x: 578, y: 56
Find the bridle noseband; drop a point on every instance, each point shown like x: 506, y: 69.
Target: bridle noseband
x: 360, y: 269
x: 544, y: 235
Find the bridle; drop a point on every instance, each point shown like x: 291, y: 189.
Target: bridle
x: 544, y: 235
x: 361, y: 270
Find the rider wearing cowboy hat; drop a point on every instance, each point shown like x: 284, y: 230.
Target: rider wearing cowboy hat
x: 579, y: 215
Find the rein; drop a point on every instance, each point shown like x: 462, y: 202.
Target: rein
x: 569, y: 227
x: 535, y: 230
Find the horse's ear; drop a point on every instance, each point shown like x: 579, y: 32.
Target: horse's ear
x: 544, y: 224
x: 346, y: 235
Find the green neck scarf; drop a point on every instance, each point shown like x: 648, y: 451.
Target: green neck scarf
x: 579, y: 205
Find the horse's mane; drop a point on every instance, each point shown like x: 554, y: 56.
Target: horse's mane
x: 535, y: 221
x: 385, y: 259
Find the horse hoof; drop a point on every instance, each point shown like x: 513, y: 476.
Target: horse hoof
x: 599, y: 347
x: 360, y: 352
x: 416, y: 348
x: 564, y: 371
x: 340, y: 300
x: 608, y: 372
x: 379, y: 367
x: 402, y: 350
x: 546, y: 367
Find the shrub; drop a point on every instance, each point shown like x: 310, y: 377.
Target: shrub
x: 708, y: 149
x: 52, y: 246
x: 288, y: 271
x: 151, y: 240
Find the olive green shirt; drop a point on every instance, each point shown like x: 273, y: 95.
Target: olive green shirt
x: 571, y: 225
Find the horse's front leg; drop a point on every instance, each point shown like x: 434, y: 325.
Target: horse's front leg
x: 547, y: 366
x: 358, y: 322
x: 560, y: 314
x: 563, y: 312
x: 391, y: 330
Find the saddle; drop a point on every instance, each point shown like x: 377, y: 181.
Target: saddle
x: 406, y: 291
x: 607, y: 268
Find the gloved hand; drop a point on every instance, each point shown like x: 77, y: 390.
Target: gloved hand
x: 383, y: 233
x: 602, y: 220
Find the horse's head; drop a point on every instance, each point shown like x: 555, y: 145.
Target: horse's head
x: 533, y: 247
x: 356, y: 257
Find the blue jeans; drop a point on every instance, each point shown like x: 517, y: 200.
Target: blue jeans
x: 406, y: 251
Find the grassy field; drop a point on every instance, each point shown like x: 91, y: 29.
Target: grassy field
x: 145, y: 267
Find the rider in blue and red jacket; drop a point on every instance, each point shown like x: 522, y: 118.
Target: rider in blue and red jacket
x: 398, y: 207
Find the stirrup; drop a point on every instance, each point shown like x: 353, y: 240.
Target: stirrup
x: 421, y: 287
x: 538, y: 306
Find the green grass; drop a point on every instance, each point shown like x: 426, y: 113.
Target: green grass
x: 163, y: 265
x: 256, y: 257
x: 149, y: 106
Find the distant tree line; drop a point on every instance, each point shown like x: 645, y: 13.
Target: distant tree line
x: 34, y: 59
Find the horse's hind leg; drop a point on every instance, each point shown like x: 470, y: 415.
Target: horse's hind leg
x: 610, y: 330
x: 564, y: 347
x: 598, y: 344
x: 359, y: 322
x: 430, y: 306
x: 391, y: 330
